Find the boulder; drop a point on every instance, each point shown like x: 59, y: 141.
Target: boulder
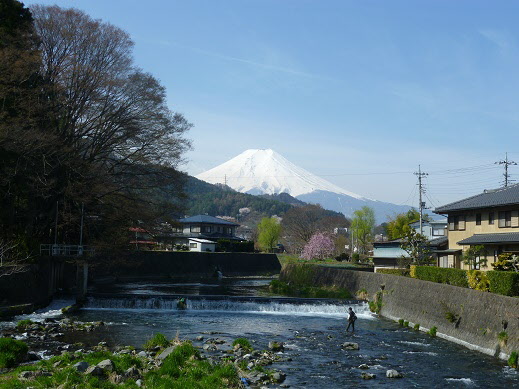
x: 116, y: 379
x: 132, y: 372
x: 199, y: 338
x: 142, y: 354
x: 138, y: 383
x: 95, y: 371
x: 81, y: 366
x: 106, y: 365
x: 276, y: 346
x: 33, y: 356
x: 350, y: 346
x: 367, y: 376
x: 210, y: 347
x: 278, y: 377
x: 393, y: 374
x: 164, y: 354
x: 363, y: 366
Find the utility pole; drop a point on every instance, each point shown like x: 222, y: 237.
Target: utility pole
x: 507, y: 163
x: 421, y: 190
x: 225, y: 180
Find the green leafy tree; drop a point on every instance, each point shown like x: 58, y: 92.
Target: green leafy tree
x: 475, y: 257
x: 417, y: 247
x: 398, y: 226
x: 362, y: 226
x: 269, y: 231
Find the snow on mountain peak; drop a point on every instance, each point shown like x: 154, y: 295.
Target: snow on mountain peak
x: 259, y: 171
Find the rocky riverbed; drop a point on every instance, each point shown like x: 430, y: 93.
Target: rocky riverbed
x: 46, y: 341
x: 256, y: 368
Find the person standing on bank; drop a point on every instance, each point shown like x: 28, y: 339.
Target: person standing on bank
x: 351, y: 320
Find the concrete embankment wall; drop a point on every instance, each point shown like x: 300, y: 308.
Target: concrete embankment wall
x: 178, y: 264
x: 35, y: 286
x: 480, y: 316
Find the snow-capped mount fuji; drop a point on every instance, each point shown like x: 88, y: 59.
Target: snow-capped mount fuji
x: 267, y: 172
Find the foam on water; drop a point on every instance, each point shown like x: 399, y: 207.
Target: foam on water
x: 421, y: 352
x: 414, y: 343
x: 466, y: 381
x: 271, y: 307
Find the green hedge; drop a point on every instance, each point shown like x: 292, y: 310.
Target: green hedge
x: 396, y: 272
x: 442, y: 275
x: 232, y: 246
x: 504, y: 282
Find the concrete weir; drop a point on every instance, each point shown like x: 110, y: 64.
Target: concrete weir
x: 475, y: 319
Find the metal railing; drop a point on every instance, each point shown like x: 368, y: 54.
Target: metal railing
x: 66, y: 250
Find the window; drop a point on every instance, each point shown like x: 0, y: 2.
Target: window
x: 505, y: 219
x: 478, y: 219
x: 192, y: 245
x: 207, y: 229
x: 477, y: 263
x: 228, y: 230
x: 195, y: 229
x: 177, y: 229
x: 438, y: 231
x: 456, y: 223
x: 491, y: 218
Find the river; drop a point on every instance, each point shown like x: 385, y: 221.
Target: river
x: 312, y: 332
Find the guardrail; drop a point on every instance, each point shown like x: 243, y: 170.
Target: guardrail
x: 66, y: 250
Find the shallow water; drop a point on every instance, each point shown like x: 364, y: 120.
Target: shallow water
x: 313, y: 334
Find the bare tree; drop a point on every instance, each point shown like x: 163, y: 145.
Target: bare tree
x: 115, y: 143
x: 12, y: 260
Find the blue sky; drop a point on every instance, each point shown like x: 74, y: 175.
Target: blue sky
x: 359, y: 92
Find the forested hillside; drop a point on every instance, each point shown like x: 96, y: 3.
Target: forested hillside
x: 215, y: 200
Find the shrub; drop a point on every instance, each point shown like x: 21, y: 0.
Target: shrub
x: 412, y: 271
x: 416, y: 327
x: 406, y: 323
x: 401, y: 322
x: 396, y: 272
x: 513, y: 361
x: 451, y: 317
x: 456, y: 277
x: 504, y: 282
x: 158, y: 340
x: 502, y: 337
x: 12, y: 352
x: 376, y: 305
x: 342, y: 257
x: 478, y: 280
x: 355, y: 257
x: 243, y: 342
x: 362, y: 294
x: 432, y: 331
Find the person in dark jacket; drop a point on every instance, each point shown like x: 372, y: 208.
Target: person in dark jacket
x: 351, y: 320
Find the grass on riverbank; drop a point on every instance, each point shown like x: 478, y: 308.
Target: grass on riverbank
x: 183, y: 368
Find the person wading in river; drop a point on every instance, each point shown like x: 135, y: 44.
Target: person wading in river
x: 351, y: 320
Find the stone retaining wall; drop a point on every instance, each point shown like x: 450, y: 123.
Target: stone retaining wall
x: 480, y: 316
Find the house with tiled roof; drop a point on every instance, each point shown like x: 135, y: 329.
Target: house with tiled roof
x: 202, y: 228
x: 490, y: 219
x: 387, y: 254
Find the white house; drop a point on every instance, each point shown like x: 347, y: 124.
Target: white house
x: 201, y: 245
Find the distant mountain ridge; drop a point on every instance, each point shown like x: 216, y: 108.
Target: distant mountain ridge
x: 263, y: 172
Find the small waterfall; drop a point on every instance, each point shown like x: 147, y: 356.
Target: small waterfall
x: 310, y: 307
